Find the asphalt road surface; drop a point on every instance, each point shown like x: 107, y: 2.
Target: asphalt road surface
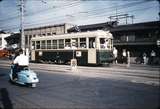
x: 100, y: 88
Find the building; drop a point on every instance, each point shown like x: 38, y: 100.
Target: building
x: 137, y: 38
x: 13, y: 41
x: 45, y: 31
x: 92, y: 27
x: 3, y: 43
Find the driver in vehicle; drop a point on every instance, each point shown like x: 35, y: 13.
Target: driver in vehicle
x: 20, y: 62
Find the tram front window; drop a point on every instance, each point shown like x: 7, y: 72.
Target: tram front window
x: 103, y: 43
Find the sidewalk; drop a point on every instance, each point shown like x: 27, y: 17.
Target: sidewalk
x: 138, y: 66
x: 118, y: 66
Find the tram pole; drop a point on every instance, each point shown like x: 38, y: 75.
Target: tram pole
x: 128, y: 59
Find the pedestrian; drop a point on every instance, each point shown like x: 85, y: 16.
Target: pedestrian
x: 124, y: 56
x: 144, y: 58
x: 153, y: 55
x: 115, y: 53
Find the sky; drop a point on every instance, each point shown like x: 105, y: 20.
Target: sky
x: 78, y: 12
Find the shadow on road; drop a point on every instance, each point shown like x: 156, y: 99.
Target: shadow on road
x: 5, y: 100
x: 1, y: 75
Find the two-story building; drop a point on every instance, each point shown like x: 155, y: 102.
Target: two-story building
x: 138, y: 38
x: 45, y: 31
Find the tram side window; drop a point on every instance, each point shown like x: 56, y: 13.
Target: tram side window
x: 75, y: 43
x: 82, y: 42
x: 33, y: 45
x: 54, y: 44
x: 67, y: 43
x: 92, y: 43
x: 43, y: 44
x: 61, y: 43
x: 37, y: 44
x: 48, y: 44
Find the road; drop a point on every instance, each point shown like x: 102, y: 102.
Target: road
x: 115, y: 87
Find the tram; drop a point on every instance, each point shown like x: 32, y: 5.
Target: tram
x: 92, y: 47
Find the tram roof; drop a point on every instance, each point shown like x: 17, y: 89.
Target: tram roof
x: 98, y: 33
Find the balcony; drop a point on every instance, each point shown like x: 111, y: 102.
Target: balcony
x: 144, y: 41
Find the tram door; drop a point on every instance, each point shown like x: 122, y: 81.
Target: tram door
x: 33, y: 55
x: 92, y: 51
x: 92, y: 56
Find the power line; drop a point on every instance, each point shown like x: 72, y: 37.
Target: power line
x: 97, y: 12
x: 38, y: 12
x: 89, y: 14
x: 92, y: 14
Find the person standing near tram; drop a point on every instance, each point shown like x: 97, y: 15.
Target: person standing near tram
x: 115, y: 53
x: 124, y: 56
x: 153, y: 55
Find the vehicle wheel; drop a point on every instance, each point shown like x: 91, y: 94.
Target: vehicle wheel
x: 33, y: 85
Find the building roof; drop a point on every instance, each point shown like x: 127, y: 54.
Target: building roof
x: 137, y: 26
x: 49, y: 26
x: 113, y: 27
x: 13, y: 38
x: 105, y: 25
x: 2, y: 32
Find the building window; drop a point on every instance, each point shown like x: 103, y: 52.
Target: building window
x: 48, y: 34
x: 48, y: 44
x: 43, y: 44
x: 37, y: 44
x: 54, y: 44
x: 26, y: 39
x: 53, y: 33
x: 43, y: 34
x: 61, y: 43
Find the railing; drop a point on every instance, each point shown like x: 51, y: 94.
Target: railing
x: 142, y: 41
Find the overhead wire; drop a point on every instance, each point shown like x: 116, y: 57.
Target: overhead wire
x: 93, y: 14
x: 89, y: 15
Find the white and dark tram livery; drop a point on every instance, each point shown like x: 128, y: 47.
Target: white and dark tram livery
x: 93, y: 47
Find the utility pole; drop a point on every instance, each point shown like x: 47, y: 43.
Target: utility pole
x: 159, y: 10
x: 117, y: 17
x: 22, y: 26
